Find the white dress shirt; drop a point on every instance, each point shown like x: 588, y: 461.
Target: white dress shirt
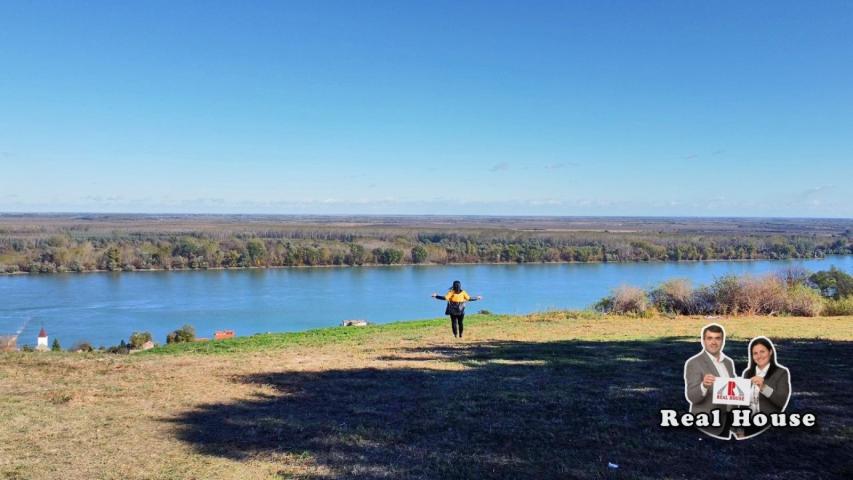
x: 721, y: 369
x: 766, y: 390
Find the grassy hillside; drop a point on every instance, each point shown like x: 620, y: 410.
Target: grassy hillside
x: 553, y: 395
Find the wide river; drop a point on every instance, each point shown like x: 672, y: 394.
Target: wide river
x: 103, y: 308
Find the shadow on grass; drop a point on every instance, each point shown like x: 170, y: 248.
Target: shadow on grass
x: 529, y: 410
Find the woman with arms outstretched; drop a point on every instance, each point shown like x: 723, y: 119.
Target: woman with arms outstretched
x: 456, y: 298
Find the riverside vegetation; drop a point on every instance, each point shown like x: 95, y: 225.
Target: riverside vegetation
x: 47, y: 244
x: 790, y: 292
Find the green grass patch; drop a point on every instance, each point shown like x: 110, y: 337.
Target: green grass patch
x: 408, y: 330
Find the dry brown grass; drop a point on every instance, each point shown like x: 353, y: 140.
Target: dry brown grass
x: 83, y: 416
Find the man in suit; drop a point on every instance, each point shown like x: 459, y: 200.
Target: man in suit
x: 701, y: 370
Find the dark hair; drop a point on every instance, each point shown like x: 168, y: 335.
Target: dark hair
x: 713, y: 328
x: 750, y: 371
x: 457, y: 286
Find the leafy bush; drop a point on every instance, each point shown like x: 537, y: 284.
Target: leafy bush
x: 833, y: 283
x: 804, y: 301
x: 604, y: 305
x: 184, y: 334
x: 56, y: 347
x: 137, y: 339
x: 28, y: 348
x: 836, y: 308
x: 419, y: 254
x: 387, y: 256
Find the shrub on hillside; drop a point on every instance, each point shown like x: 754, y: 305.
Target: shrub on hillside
x: 804, y: 301
x: 726, y: 294
x: 629, y: 300
x: 674, y: 296
x: 836, y: 308
x: 704, y: 302
x: 182, y: 335
x: 761, y: 295
x: 121, y: 348
x: 137, y: 339
x: 605, y: 305
x: 82, y: 346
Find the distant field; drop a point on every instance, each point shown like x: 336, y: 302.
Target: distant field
x: 553, y: 395
x: 109, y: 224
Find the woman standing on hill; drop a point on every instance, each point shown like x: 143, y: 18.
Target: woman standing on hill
x: 456, y: 298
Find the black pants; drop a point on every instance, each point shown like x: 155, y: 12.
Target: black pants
x: 456, y: 323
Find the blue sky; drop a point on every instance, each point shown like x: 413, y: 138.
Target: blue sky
x: 547, y: 108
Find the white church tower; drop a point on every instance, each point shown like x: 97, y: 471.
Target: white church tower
x: 42, y: 341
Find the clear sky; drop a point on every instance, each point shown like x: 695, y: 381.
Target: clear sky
x: 552, y: 108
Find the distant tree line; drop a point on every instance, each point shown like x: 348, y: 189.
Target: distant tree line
x: 123, y: 251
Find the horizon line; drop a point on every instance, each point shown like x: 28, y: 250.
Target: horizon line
x: 410, y: 215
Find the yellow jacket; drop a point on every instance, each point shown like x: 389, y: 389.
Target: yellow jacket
x: 454, y: 297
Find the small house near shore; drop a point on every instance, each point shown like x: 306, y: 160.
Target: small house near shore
x: 223, y: 334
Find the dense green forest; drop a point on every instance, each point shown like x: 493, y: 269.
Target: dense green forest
x: 146, y: 245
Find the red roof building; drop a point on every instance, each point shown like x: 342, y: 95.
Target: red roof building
x: 223, y: 334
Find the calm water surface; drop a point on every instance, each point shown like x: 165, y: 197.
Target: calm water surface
x: 103, y: 308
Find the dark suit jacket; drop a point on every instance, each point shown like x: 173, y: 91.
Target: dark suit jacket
x: 779, y: 391
x: 695, y: 370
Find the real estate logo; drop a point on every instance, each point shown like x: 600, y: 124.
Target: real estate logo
x: 731, y: 392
